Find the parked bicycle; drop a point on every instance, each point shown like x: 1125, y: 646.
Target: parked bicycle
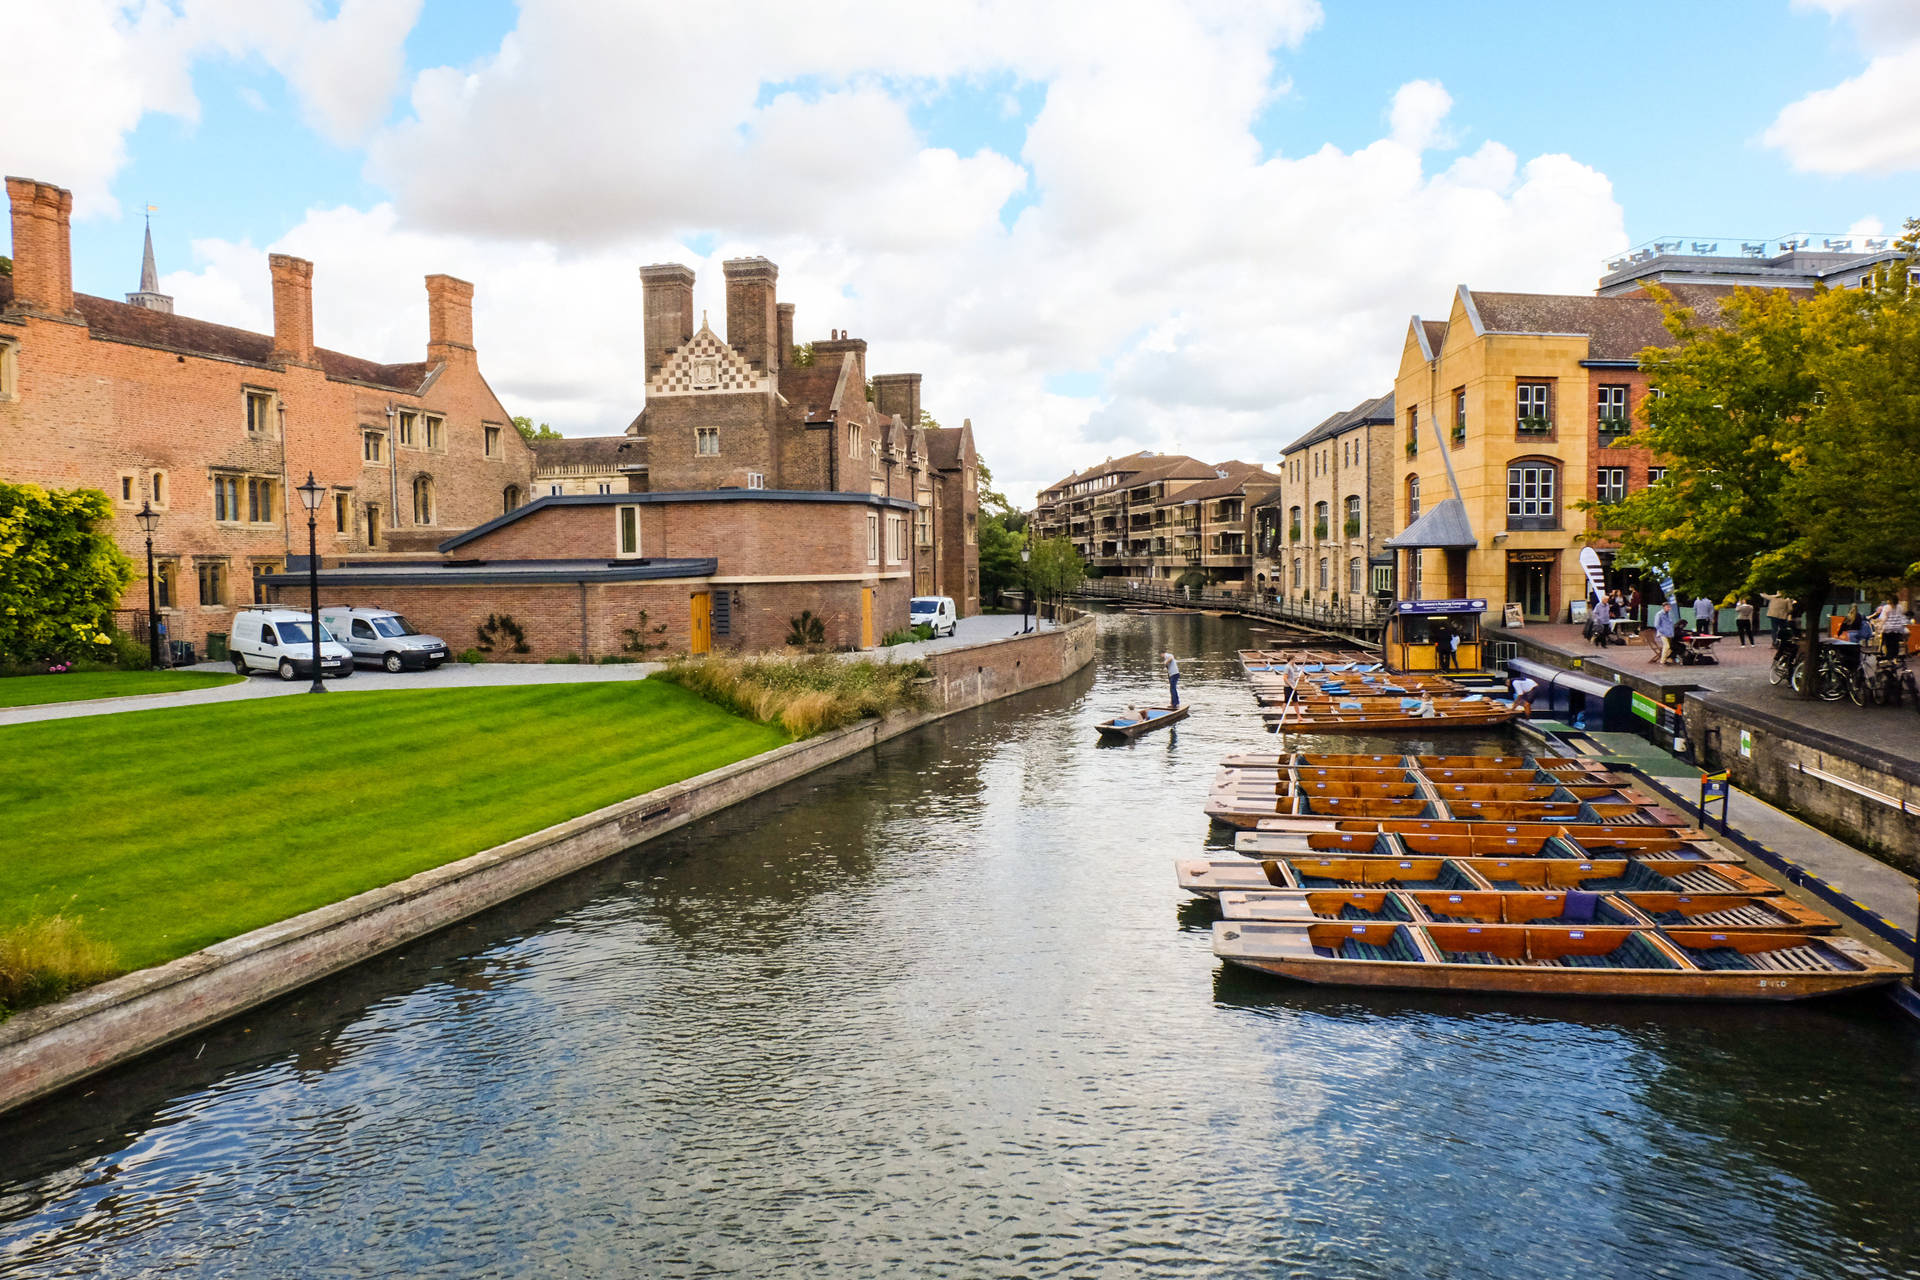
x: 1786, y: 659
x: 1841, y: 675
x: 1890, y: 680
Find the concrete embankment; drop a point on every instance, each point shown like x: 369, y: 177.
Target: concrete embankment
x: 50, y: 1048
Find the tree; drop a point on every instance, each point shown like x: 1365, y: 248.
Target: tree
x: 999, y: 558
x: 6, y: 265
x: 529, y: 432
x: 60, y: 574
x: 802, y: 356
x: 1056, y: 568
x: 1792, y: 442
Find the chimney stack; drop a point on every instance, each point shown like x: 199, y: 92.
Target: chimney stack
x: 752, y: 323
x: 449, y: 318
x: 898, y: 393
x: 292, y: 308
x: 669, y: 310
x: 42, y: 247
x: 785, y: 311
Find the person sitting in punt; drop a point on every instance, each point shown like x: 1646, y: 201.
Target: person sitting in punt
x: 1523, y: 690
x: 1426, y: 710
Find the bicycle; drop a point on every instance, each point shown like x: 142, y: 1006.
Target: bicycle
x: 1840, y: 677
x: 1786, y: 659
x: 1891, y: 679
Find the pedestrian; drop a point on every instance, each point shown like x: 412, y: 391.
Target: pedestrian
x: 1780, y: 608
x: 1523, y: 690
x: 1602, y: 621
x: 1635, y: 603
x: 1173, y: 678
x: 1453, y: 648
x: 1703, y: 618
x: 1890, y: 624
x: 1743, y: 619
x: 1665, y: 627
x: 1442, y: 651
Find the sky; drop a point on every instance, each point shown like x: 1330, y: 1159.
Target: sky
x: 1094, y: 226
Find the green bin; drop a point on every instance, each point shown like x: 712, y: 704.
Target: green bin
x: 216, y: 646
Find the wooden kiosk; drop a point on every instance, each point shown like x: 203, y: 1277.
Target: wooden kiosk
x: 1416, y: 627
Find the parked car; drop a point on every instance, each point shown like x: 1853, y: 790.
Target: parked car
x: 384, y: 637
x: 281, y: 640
x: 934, y: 611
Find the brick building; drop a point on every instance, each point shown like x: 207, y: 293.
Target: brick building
x: 589, y: 464
x: 216, y: 425
x: 651, y: 574
x: 744, y: 412
x: 1320, y: 537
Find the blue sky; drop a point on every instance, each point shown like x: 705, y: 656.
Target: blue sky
x: 1099, y: 264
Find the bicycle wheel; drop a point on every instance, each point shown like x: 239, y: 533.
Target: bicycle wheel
x: 1797, y: 678
x: 1782, y: 667
x: 1857, y: 686
x: 1832, y: 683
x: 1880, y: 687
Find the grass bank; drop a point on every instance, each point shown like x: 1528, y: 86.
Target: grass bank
x: 805, y: 695
x: 160, y: 832
x: 77, y: 686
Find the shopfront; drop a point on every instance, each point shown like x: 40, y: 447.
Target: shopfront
x: 1417, y: 629
x: 1533, y: 584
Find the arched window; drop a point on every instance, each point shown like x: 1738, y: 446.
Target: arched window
x: 1320, y: 520
x: 1293, y: 522
x: 1353, y: 515
x: 510, y: 498
x: 1322, y: 581
x: 423, y: 499
x: 1356, y: 583
x: 1413, y: 498
x: 1533, y: 494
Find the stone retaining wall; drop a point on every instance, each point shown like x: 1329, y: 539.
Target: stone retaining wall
x: 47, y: 1049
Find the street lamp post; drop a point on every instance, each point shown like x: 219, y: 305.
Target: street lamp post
x: 150, y: 519
x: 1026, y: 588
x: 310, y: 495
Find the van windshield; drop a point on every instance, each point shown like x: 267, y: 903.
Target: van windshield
x: 393, y: 625
x: 924, y: 604
x: 296, y: 633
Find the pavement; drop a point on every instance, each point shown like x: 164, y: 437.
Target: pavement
x: 975, y: 630
x: 1740, y: 677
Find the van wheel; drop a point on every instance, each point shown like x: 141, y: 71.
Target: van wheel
x: 286, y: 669
x: 239, y: 665
x: 391, y: 662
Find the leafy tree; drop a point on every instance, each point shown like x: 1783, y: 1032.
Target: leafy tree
x: 1056, y: 568
x: 999, y: 558
x: 1791, y: 432
x: 61, y: 573
x: 6, y: 266
x: 529, y: 432
x: 802, y: 356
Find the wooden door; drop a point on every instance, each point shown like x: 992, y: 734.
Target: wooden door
x: 701, y: 634
x: 866, y: 617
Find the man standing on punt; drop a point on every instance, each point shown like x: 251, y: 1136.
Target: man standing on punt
x: 1173, y: 678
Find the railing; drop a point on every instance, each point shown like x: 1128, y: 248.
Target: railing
x: 1366, y: 616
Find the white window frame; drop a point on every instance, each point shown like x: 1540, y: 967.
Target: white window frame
x: 1610, y: 484
x: 1356, y: 576
x: 1612, y: 402
x: 702, y: 437
x: 1532, y: 398
x: 1531, y: 491
x: 623, y: 514
x: 756, y: 480
x: 896, y: 539
x: 873, y: 537
x: 1655, y: 475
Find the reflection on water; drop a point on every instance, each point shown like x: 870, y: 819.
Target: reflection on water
x: 941, y: 1010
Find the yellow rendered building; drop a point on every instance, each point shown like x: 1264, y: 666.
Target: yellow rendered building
x: 1499, y: 409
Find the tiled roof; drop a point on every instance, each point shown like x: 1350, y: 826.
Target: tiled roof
x: 1235, y: 481
x: 944, y: 447
x: 1618, y: 328
x: 1436, y: 331
x: 1379, y: 409
x: 577, y: 451
x: 811, y: 386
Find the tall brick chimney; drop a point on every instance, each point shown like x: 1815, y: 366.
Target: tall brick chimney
x: 449, y: 318
x: 753, y: 325
x: 292, y: 308
x: 785, y: 311
x: 898, y: 393
x: 42, y: 246
x: 669, y: 314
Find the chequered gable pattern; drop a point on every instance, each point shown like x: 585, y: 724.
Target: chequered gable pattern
x: 685, y: 370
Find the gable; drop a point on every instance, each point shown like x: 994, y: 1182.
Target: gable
x: 706, y: 366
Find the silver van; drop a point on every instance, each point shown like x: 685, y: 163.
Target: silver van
x: 384, y: 637
x: 281, y: 641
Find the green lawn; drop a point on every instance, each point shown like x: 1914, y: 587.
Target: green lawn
x: 76, y: 686
x: 164, y: 831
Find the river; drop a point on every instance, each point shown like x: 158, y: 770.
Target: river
x: 942, y: 1011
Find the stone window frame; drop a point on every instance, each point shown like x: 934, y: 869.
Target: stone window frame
x: 220, y: 578
x: 873, y: 537
x: 261, y: 425
x: 159, y: 489
x: 511, y: 499
x: 490, y: 439
x: 166, y: 582
x: 342, y: 513
x: 9, y: 369
x: 374, y: 527
x: 129, y: 493
x: 434, y: 427
x: 242, y: 495
x: 373, y: 448
x: 425, y: 514
x: 702, y: 437
x: 626, y: 518
x: 403, y: 424
x: 260, y: 565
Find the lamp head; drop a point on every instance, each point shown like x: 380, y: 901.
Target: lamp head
x: 149, y: 518
x: 311, y: 492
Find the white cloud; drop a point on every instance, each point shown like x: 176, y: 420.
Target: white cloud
x: 1228, y: 297
x: 1871, y: 122
x: 97, y: 67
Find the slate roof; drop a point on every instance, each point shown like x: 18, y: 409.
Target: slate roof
x: 1235, y: 481
x: 1444, y: 524
x: 1379, y: 409
x: 1618, y: 328
x: 1436, y: 331
x: 943, y: 447
x: 583, y: 451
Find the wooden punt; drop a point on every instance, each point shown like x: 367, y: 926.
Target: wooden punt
x: 1315, y: 760
x: 1523, y: 959
x: 1381, y: 790
x: 1156, y: 718
x: 1619, y: 875
x: 1505, y: 762
x: 1730, y: 912
x: 1209, y: 879
x: 1362, y: 807
x: 1574, y: 910
x: 1262, y: 844
x: 1360, y: 873
x: 1363, y: 722
x: 1453, y: 792
x: 1513, y: 810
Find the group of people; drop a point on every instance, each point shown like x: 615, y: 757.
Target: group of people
x: 1671, y: 624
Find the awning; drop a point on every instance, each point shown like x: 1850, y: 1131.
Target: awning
x: 1445, y: 525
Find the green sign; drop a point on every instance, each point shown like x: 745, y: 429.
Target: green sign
x: 1646, y: 708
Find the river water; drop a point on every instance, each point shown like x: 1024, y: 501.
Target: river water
x: 941, y: 1011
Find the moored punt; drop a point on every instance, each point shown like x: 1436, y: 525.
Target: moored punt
x: 1209, y: 879
x: 1776, y: 913
x: 1245, y: 811
x: 1336, y: 720
x: 1358, y: 873
x: 1421, y: 906
x: 1399, y: 838
x: 1151, y: 718
x: 1614, y: 875
x: 1523, y: 959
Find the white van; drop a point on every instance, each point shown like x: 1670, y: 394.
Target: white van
x: 280, y: 640
x: 934, y: 611
x: 384, y: 637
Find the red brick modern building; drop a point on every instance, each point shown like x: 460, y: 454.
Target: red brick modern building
x: 215, y: 426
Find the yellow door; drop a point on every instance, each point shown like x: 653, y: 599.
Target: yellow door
x: 701, y: 640
x: 866, y: 617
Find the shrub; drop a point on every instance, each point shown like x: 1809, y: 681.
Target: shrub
x: 907, y: 635
x: 46, y: 958
x: 61, y: 574
x: 127, y: 653
x: 563, y: 659
x: 615, y: 659
x: 803, y: 696
x: 806, y: 631
x: 501, y: 629
x: 643, y: 638
x: 473, y: 655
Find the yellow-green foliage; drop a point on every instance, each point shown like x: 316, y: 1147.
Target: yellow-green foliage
x: 802, y: 695
x: 45, y: 958
x: 61, y: 573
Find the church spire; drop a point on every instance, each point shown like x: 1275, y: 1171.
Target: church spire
x: 150, y: 296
